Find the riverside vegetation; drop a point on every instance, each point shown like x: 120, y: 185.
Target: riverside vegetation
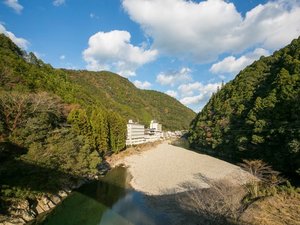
x: 256, y: 115
x: 255, y: 119
x: 56, y: 125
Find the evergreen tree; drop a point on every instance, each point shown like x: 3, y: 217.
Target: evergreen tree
x: 257, y: 115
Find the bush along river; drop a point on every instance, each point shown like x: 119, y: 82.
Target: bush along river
x: 109, y: 201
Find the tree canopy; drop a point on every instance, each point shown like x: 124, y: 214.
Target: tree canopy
x: 256, y: 115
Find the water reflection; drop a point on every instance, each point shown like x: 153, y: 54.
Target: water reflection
x: 109, y: 201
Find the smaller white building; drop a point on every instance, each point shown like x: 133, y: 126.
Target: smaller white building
x: 157, y: 127
x: 135, y: 133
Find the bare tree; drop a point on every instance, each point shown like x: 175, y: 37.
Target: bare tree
x: 13, y: 107
x: 17, y: 107
x: 218, y: 204
x: 263, y: 176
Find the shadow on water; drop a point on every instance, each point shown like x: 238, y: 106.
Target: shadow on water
x: 112, y: 202
x: 109, y: 201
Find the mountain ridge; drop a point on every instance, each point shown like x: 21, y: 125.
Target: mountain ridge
x: 104, y: 89
x: 256, y: 115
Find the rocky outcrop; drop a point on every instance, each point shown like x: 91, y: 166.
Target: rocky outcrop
x: 21, y: 212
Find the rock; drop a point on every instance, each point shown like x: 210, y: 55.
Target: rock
x: 51, y: 204
x: 42, y: 203
x: 45, y: 200
x: 15, y: 221
x: 104, y: 167
x: 27, y: 216
x: 68, y: 190
x: 22, y: 205
x: 39, y: 209
x: 62, y: 194
x: 24, y: 214
x: 32, y: 212
x: 55, y: 199
x: 20, y: 213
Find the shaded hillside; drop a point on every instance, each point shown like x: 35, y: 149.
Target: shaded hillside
x: 257, y: 115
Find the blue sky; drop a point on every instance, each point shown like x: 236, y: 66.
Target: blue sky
x: 183, y: 48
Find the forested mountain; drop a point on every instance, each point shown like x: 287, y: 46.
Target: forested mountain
x: 103, y: 89
x: 256, y: 115
x: 56, y: 124
x: 114, y: 92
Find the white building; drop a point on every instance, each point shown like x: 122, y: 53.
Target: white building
x: 135, y: 133
x: 157, y: 127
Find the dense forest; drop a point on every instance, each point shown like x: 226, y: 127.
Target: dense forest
x: 113, y: 92
x: 256, y: 115
x: 56, y: 125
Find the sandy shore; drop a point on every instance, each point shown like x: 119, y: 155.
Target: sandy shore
x: 165, y: 168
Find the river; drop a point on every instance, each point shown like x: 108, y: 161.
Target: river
x: 109, y: 201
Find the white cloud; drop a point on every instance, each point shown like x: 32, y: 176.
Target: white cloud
x: 21, y: 42
x: 58, y: 2
x: 142, y: 85
x: 172, y: 93
x: 62, y: 57
x: 197, y: 93
x: 189, y: 89
x: 234, y: 65
x: 192, y: 99
x: 174, y: 77
x: 202, y: 31
x: 113, y: 51
x: 14, y: 4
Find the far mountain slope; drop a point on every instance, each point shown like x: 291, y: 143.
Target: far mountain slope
x: 257, y: 115
x: 24, y: 72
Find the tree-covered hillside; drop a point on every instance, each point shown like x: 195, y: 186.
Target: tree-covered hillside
x: 257, y: 115
x: 114, y: 92
x: 106, y: 90
x: 56, y: 124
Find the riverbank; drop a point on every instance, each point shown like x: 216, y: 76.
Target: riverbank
x: 168, y: 169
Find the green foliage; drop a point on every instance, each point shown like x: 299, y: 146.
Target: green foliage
x: 55, y: 125
x: 39, y: 152
x: 117, y: 132
x: 257, y: 115
x: 105, y: 131
x: 105, y: 90
x: 100, y: 132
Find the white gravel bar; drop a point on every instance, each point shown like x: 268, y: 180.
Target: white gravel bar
x: 165, y: 168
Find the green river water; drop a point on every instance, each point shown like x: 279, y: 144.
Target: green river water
x: 109, y: 201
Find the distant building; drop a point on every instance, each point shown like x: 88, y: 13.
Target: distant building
x: 135, y: 133
x: 155, y: 126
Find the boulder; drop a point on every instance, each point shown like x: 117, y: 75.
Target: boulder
x: 55, y: 199
x: 62, y: 194
x: 42, y: 203
x: 51, y: 204
x: 15, y: 221
x: 39, y: 209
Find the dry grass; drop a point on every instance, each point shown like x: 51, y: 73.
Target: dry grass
x: 275, y: 210
x: 226, y: 203
x: 272, y: 203
x: 221, y: 203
